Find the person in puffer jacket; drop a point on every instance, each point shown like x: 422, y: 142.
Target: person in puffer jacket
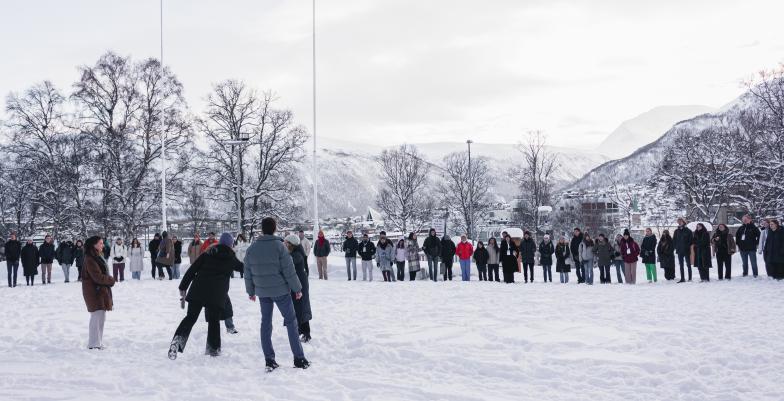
x: 385, y: 257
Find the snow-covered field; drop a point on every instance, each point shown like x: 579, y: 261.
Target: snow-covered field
x: 414, y: 341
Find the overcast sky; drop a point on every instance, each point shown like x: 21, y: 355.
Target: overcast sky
x: 420, y: 71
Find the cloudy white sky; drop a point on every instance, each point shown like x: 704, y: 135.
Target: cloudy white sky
x: 420, y: 71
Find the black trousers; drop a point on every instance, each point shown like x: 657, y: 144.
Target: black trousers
x: 401, y: 271
x: 579, y: 271
x: 304, y: 329
x: 160, y: 271
x: 724, y: 260
x: 704, y: 273
x: 494, y: 273
x: 528, y: 267
x: 681, y: 259
x: 482, y: 272
x: 387, y: 275
x: 448, y: 269
x: 213, y: 326
x: 154, y: 265
x: 604, y: 275
x: 412, y: 276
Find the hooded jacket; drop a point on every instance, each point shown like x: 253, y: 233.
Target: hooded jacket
x: 207, y: 280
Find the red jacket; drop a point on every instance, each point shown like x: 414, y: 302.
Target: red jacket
x: 629, y: 250
x: 208, y: 243
x: 464, y: 250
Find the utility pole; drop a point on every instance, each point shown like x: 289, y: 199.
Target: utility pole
x: 163, y: 146
x: 314, y: 170
x: 470, y: 194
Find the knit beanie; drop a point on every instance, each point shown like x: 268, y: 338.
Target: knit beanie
x: 292, y: 239
x: 226, y: 239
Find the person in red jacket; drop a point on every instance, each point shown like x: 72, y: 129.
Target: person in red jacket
x: 211, y: 240
x: 464, y: 252
x: 630, y: 251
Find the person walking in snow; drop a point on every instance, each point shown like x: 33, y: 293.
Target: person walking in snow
x: 480, y: 257
x: 493, y: 260
x: 528, y: 253
x: 666, y: 252
x: 574, y: 248
x: 587, y: 258
x: 631, y: 253
x: 65, y: 257
x: 464, y: 252
x: 448, y: 250
x: 701, y: 252
x: 432, y: 249
x: 723, y: 244
x: 136, y: 259
x: 270, y: 275
x: 367, y: 252
x: 165, y: 257
x: 206, y: 286
x: 648, y: 254
x: 509, y: 254
x: 152, y: 247
x: 774, y: 250
x: 79, y: 258
x: 13, y: 251
x: 30, y: 261
x: 321, y: 250
x: 618, y: 259
x: 682, y: 239
x: 546, y: 251
x: 563, y: 259
x: 401, y: 255
x: 96, y: 289
x: 350, y: 247
x: 301, y: 305
x: 47, y: 254
x: 385, y: 257
x: 177, y: 257
x: 118, y: 256
x: 604, y: 253
x: 748, y: 238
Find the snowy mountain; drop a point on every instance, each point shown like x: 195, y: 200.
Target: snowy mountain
x: 349, y: 178
x: 646, y: 128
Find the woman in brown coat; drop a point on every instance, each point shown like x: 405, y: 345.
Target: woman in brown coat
x: 96, y: 289
x: 165, y: 255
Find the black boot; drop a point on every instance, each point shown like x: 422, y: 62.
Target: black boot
x: 271, y: 365
x: 301, y: 363
x: 177, y: 344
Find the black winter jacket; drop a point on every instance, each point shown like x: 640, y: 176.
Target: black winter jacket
x: 30, y: 260
x: 747, y: 237
x: 208, y: 279
x: 481, y: 256
x: 350, y: 246
x: 682, y: 238
x: 528, y: 250
x: 546, y: 250
x: 13, y: 250
x: 648, y: 249
x: 367, y: 251
x: 46, y: 253
x: 66, y: 253
x: 432, y: 246
x: 574, y: 247
x: 774, y: 247
x: 448, y: 249
x: 177, y: 252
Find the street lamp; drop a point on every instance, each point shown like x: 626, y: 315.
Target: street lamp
x: 470, y: 193
x: 314, y: 170
x: 163, y: 144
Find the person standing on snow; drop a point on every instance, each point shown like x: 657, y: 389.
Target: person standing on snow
x: 165, y: 256
x: 270, y: 275
x: 65, y: 257
x: 30, y: 261
x: 528, y: 253
x: 47, y: 254
x: 774, y: 250
x: 631, y: 252
x: 385, y: 256
x: 480, y: 257
x: 118, y: 256
x: 448, y: 251
x: 546, y: 251
x: 464, y: 251
x: 136, y: 259
x: 493, y: 260
x: 177, y: 257
x: 648, y: 253
x: 666, y: 252
x: 563, y: 258
x: 748, y: 239
x: 302, y: 304
x: 206, y: 286
x: 367, y: 251
x: 96, y: 289
x: 401, y: 254
x: 618, y: 260
x: 321, y: 251
x: 574, y: 248
x: 509, y: 254
x: 13, y: 251
x: 587, y: 258
x: 764, y: 230
x: 432, y: 250
x: 412, y: 251
x: 604, y: 257
x: 723, y: 244
x: 682, y: 239
x: 152, y: 247
x: 79, y: 258
x: 701, y: 252
x: 350, y: 247
x: 194, y: 249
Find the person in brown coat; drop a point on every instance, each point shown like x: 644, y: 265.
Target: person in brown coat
x: 96, y: 289
x: 194, y: 249
x: 165, y: 255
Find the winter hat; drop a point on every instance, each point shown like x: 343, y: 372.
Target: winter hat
x: 226, y: 239
x: 292, y: 239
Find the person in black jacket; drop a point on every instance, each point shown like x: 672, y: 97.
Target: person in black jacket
x: 152, y: 247
x: 208, y: 279
x: 350, y: 247
x: 30, y: 261
x: 546, y: 251
x: 79, y: 258
x: 47, y: 254
x: 774, y: 250
x: 66, y: 253
x: 648, y: 254
x: 367, y: 252
x: 509, y: 254
x: 177, y: 257
x: 432, y: 250
x: 301, y: 305
x: 682, y: 239
x: 480, y: 257
x: 13, y: 250
x: 747, y: 239
x: 666, y: 252
x: 528, y: 252
x: 448, y: 250
x: 574, y: 248
x: 701, y: 252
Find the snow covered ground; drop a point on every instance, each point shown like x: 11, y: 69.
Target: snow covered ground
x: 414, y: 341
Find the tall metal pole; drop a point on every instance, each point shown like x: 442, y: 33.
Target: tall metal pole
x: 163, y: 147
x: 315, y: 168
x: 470, y: 194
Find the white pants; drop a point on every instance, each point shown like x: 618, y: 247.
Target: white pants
x: 367, y: 266
x: 97, y: 319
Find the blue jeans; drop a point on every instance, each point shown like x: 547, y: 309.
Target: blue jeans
x: 547, y: 272
x: 229, y: 323
x: 618, y: 270
x: 432, y: 267
x: 136, y: 275
x: 176, y: 271
x: 286, y: 308
x: 745, y: 256
x: 13, y: 268
x: 564, y: 277
x: 465, y: 269
x: 588, y: 272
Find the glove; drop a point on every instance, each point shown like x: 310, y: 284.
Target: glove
x: 182, y: 293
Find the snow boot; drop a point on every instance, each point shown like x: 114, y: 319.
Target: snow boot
x: 271, y: 365
x: 177, y: 345
x: 232, y: 331
x: 213, y: 352
x: 301, y: 363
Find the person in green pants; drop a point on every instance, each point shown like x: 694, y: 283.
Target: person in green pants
x: 648, y: 253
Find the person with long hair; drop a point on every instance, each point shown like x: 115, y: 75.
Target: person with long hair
x: 563, y: 259
x: 401, y: 255
x: 79, y: 258
x: 448, y: 250
x: 666, y: 252
x: 385, y: 257
x: 177, y: 257
x: 165, y: 256
x: 723, y: 244
x: 136, y: 259
x: 618, y: 258
x: 509, y: 254
x: 648, y: 253
x: 701, y: 252
x: 30, y: 261
x: 493, y: 260
x: 480, y: 257
x: 631, y: 253
x: 241, y: 245
x: 587, y: 258
x: 118, y: 255
x: 774, y: 250
x: 96, y: 289
x: 412, y: 250
x: 301, y: 305
x: 604, y: 257
x: 546, y: 251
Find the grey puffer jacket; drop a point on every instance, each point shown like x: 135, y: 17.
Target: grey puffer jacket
x: 269, y: 269
x: 385, y: 257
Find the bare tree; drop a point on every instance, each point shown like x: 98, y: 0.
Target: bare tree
x: 403, y: 197
x: 466, y: 190
x: 536, y: 179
